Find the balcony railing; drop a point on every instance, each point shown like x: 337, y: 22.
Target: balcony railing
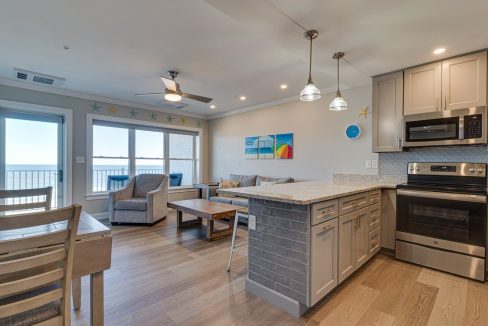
x: 28, y: 179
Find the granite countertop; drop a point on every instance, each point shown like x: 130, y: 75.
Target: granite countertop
x: 304, y: 193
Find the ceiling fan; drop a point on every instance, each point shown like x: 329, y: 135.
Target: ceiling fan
x: 173, y: 92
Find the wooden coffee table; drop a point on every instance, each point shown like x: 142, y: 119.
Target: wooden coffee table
x: 204, y: 209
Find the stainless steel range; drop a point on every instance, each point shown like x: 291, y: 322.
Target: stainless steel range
x: 442, y: 217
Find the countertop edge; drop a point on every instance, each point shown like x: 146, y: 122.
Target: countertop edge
x: 234, y: 191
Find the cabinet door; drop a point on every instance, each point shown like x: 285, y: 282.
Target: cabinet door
x: 347, y: 228
x: 387, y: 112
x: 374, y: 242
x: 422, y: 89
x: 464, y: 81
x: 323, y: 259
x: 374, y: 217
x: 361, y: 241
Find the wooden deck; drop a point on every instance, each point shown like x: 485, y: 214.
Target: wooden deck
x: 161, y: 276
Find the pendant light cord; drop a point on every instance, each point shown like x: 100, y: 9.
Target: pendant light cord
x: 338, y: 93
x: 310, y: 63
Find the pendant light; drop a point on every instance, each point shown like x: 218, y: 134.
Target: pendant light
x: 310, y: 92
x: 338, y: 103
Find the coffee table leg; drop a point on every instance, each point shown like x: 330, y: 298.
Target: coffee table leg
x: 179, y: 219
x: 210, y: 228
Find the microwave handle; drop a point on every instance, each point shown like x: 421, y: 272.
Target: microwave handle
x: 461, y: 127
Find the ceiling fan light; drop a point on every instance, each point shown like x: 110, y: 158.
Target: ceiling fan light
x: 172, y: 97
x: 310, y: 93
x: 338, y: 104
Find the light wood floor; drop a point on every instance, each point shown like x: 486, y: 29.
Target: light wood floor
x: 160, y: 276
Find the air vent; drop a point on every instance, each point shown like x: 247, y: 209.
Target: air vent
x: 38, y: 78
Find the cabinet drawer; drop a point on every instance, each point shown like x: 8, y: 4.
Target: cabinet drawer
x: 353, y: 202
x: 374, y: 217
x: 374, y: 196
x: 324, y: 211
x: 374, y: 241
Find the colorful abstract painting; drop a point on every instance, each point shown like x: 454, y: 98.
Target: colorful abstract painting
x: 284, y: 146
x: 251, y: 147
x: 266, y: 147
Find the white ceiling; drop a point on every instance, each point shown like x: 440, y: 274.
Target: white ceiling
x: 227, y: 48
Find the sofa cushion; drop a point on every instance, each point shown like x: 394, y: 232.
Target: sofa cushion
x: 146, y: 183
x: 238, y: 201
x: 277, y: 180
x: 244, y: 180
x: 133, y: 204
x: 221, y: 199
x: 226, y: 184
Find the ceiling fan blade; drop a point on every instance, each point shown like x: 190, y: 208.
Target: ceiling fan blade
x: 150, y: 94
x: 170, y: 83
x: 197, y: 97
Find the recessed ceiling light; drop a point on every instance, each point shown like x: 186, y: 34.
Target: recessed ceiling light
x: 283, y: 86
x: 242, y: 98
x: 439, y: 50
x: 212, y: 106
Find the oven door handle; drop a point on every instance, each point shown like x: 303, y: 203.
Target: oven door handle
x: 442, y: 195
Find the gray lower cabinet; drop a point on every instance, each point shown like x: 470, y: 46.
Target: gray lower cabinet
x: 361, y: 240
x: 347, y: 227
x: 323, y: 267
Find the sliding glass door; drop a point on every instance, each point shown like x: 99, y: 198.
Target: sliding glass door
x: 31, y: 152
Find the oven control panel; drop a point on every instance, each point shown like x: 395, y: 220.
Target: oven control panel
x: 451, y: 169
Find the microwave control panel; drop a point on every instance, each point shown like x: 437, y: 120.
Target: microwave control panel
x: 473, y: 126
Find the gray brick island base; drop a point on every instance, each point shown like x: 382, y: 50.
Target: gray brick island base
x: 309, y: 237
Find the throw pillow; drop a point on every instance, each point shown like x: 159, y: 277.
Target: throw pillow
x: 224, y: 183
x: 268, y: 183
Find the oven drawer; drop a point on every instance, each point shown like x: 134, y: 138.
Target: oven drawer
x: 324, y: 211
x: 374, y: 196
x: 351, y: 203
x: 374, y: 217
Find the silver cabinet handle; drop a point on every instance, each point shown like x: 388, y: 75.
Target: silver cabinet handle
x: 325, y: 229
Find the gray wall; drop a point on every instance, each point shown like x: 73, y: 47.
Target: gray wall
x: 320, y: 146
x: 81, y: 108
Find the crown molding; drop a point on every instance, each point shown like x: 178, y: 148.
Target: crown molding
x: 93, y: 97
x: 267, y: 104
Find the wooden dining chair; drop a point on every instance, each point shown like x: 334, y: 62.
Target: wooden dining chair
x: 36, y: 266
x: 19, y: 204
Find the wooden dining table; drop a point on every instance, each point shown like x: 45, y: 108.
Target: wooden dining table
x: 92, y: 256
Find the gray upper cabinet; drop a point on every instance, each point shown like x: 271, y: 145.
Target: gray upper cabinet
x: 387, y: 112
x: 464, y: 81
x: 423, y: 89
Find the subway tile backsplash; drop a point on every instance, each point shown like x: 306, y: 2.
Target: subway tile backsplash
x: 396, y: 163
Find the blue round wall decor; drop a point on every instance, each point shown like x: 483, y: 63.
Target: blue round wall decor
x: 353, y: 131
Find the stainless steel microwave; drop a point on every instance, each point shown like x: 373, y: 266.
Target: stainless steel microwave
x: 446, y: 128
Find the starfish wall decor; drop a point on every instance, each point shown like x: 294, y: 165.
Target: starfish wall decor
x: 95, y: 107
x: 364, y: 112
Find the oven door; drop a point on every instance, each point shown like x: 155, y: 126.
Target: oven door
x: 450, y: 221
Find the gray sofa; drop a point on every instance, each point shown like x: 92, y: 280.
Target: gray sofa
x: 143, y: 200
x: 244, y: 181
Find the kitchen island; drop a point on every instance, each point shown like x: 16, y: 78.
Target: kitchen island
x: 308, y: 238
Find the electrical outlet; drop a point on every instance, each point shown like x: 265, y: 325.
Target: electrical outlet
x: 80, y: 159
x: 368, y: 164
x: 374, y: 164
x: 251, y: 222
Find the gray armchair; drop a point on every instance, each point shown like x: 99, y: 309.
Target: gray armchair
x: 143, y: 200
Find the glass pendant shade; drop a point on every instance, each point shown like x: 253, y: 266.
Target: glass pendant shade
x: 310, y: 93
x: 172, y: 97
x: 338, y: 103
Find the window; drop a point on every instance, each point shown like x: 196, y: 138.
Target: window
x: 121, y: 150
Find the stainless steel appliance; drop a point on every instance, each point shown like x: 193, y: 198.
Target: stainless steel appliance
x: 449, y: 127
x: 442, y: 217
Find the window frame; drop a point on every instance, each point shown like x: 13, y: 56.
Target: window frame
x: 93, y: 119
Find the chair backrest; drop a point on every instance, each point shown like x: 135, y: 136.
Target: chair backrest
x: 175, y: 179
x: 116, y: 181
x: 22, y: 195
x: 30, y: 261
x: 145, y: 183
